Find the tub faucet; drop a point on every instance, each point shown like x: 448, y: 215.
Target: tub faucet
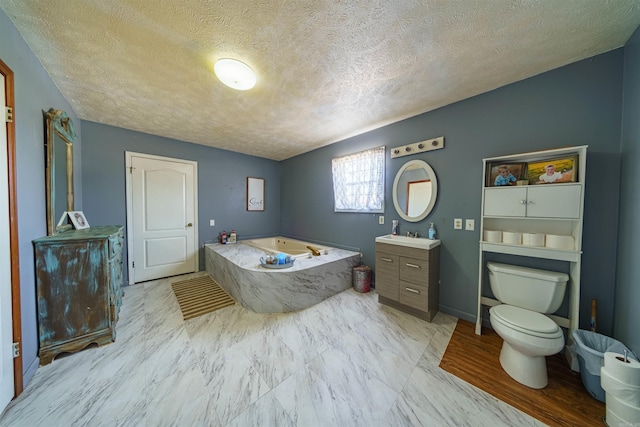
x: 314, y: 251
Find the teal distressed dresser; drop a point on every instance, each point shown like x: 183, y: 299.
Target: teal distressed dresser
x: 79, y: 284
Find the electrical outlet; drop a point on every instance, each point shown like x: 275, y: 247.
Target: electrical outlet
x: 381, y: 219
x: 470, y: 225
x: 457, y: 223
x: 212, y: 222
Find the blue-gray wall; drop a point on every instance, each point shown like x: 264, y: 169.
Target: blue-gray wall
x: 575, y: 105
x: 579, y: 104
x: 34, y: 93
x: 221, y: 182
x: 627, y: 302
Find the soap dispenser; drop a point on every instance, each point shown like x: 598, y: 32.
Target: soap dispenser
x: 432, y: 232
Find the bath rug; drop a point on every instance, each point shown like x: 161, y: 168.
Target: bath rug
x: 200, y: 296
x: 476, y: 360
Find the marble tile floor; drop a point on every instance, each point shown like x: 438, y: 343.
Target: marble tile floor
x: 347, y: 361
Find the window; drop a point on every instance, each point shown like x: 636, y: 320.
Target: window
x: 358, y: 182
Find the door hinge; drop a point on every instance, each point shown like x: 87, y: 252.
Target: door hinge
x: 131, y: 168
x: 133, y: 264
x: 8, y: 114
x: 16, y: 349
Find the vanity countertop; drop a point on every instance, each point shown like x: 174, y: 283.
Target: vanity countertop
x: 412, y: 242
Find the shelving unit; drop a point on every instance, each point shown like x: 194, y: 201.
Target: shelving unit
x: 555, y: 209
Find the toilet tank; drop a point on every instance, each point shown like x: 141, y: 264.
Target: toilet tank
x: 530, y: 288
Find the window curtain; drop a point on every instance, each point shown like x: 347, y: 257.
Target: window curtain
x: 358, y: 181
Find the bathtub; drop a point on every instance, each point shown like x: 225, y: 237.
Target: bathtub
x: 292, y: 247
x: 312, y: 279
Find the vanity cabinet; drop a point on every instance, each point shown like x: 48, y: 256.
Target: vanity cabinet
x: 79, y: 286
x: 408, y: 279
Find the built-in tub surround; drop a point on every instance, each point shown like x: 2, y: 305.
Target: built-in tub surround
x: 309, y: 281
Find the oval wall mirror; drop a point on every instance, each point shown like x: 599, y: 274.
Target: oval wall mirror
x: 415, y: 190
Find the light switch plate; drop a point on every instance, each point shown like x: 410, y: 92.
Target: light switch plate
x: 470, y: 225
x: 381, y: 219
x: 212, y: 222
x: 457, y: 223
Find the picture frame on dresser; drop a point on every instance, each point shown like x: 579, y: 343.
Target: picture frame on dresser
x: 78, y: 220
x: 515, y: 169
x: 553, y: 171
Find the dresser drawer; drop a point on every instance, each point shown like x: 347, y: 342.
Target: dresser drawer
x: 413, y: 295
x: 414, y: 270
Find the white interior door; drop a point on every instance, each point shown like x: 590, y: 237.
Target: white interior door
x: 418, y: 197
x: 6, y: 325
x: 161, y: 214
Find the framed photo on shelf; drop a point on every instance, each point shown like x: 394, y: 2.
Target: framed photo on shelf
x: 504, y: 174
x: 553, y: 171
x: 255, y: 194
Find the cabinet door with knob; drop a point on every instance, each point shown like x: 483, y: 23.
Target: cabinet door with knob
x: 542, y: 201
x: 79, y: 285
x: 387, y: 273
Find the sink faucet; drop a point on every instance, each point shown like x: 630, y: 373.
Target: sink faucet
x: 410, y: 234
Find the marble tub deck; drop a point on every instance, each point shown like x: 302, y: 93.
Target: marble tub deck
x: 310, y: 280
x: 347, y: 361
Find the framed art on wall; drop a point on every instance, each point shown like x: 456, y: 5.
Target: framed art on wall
x: 255, y: 194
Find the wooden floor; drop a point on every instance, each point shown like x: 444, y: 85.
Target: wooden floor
x: 564, y: 402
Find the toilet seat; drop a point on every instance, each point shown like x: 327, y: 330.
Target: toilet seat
x: 526, y: 321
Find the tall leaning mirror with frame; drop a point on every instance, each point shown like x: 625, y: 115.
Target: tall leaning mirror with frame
x: 58, y: 167
x: 415, y: 190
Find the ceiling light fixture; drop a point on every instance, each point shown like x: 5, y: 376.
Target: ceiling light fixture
x: 235, y: 74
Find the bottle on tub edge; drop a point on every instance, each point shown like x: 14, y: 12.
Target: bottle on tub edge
x: 223, y: 237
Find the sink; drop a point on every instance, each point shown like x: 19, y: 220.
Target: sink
x: 412, y: 242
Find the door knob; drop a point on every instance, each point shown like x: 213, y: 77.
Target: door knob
x: 189, y: 225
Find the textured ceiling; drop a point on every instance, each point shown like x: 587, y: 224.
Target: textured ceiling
x: 327, y: 70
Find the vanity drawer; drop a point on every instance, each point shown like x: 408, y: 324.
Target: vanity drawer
x: 414, y: 270
x: 413, y: 295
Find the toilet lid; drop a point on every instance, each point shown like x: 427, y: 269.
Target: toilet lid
x: 525, y: 320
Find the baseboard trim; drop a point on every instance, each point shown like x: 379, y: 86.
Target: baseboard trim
x: 30, y: 371
x: 457, y: 313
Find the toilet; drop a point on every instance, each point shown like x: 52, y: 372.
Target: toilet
x: 528, y: 335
